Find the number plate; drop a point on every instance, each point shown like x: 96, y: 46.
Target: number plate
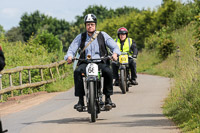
x: 123, y: 59
x: 92, y: 69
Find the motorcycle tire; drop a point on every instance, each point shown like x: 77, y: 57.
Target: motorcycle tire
x: 123, y: 82
x: 92, y: 102
x: 127, y: 81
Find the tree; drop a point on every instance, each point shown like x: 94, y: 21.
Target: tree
x: 30, y: 24
x: 68, y: 36
x: 103, y: 13
x: 2, y: 31
x: 125, y: 10
x: 164, y: 12
x: 14, y: 34
x: 99, y: 11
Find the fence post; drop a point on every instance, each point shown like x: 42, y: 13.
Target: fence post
x: 51, y: 73
x: 20, y: 80
x: 58, y: 71
x: 41, y: 73
x: 10, y: 79
x: 1, y: 97
x: 29, y: 75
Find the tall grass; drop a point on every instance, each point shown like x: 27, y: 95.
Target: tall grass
x: 183, y: 103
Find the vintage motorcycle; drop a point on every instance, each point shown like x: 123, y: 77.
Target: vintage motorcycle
x: 124, y: 75
x: 93, y: 86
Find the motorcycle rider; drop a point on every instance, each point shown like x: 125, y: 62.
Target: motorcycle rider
x: 2, y: 59
x: 126, y: 45
x: 96, y: 49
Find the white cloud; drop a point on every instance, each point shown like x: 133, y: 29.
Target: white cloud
x: 10, y: 12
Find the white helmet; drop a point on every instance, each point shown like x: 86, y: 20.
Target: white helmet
x: 90, y: 18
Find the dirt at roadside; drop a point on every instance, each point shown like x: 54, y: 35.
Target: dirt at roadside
x: 23, y: 102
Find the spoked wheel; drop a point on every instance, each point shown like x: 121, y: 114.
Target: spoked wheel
x: 92, y: 102
x: 123, y: 82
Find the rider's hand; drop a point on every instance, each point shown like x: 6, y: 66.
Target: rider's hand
x: 134, y: 56
x: 135, y: 59
x: 114, y: 56
x: 69, y: 60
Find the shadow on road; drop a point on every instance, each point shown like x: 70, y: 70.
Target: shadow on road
x: 145, y: 115
x: 77, y: 120
x: 140, y: 123
x: 117, y: 92
x: 142, y: 120
x: 146, y: 120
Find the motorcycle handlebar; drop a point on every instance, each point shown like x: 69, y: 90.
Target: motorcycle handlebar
x: 102, y: 58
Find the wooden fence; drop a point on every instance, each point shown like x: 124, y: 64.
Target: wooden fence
x: 19, y: 70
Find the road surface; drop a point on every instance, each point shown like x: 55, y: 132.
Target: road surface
x: 138, y: 111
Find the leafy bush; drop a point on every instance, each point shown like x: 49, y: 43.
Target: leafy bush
x: 48, y: 41
x: 166, y: 48
x: 162, y: 42
x: 152, y: 42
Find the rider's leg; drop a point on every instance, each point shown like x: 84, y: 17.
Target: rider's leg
x: 79, y: 87
x: 115, y: 73
x: 108, y: 86
x: 132, y: 66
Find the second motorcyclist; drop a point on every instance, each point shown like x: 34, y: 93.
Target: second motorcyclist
x: 128, y: 45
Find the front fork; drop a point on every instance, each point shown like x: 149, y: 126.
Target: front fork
x: 122, y: 67
x: 85, y: 90
x: 99, y: 93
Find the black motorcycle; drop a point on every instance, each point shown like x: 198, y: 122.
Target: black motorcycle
x: 124, y: 74
x: 93, y: 86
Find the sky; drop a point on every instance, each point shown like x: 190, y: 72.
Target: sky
x: 12, y: 10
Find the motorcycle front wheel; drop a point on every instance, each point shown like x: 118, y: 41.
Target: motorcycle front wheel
x: 127, y: 80
x: 123, y: 82
x: 92, y: 102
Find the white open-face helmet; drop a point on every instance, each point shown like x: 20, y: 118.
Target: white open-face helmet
x: 90, y: 18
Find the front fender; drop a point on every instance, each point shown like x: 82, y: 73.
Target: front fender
x: 92, y: 78
x: 122, y: 67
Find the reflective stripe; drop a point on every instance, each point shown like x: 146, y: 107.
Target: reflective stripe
x: 129, y: 42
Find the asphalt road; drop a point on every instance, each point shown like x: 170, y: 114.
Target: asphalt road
x: 138, y: 111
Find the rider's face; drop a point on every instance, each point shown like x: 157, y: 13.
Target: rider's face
x: 90, y: 27
x: 122, y: 37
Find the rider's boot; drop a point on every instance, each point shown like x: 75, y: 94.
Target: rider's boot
x: 109, y: 104
x: 134, y: 82
x: 80, y: 105
x: 116, y: 82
